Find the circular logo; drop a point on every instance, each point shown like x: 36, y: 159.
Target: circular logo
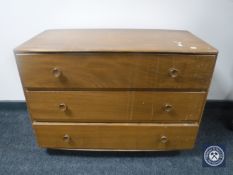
x: 214, y: 155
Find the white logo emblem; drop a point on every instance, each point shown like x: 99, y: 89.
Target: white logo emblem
x: 214, y: 155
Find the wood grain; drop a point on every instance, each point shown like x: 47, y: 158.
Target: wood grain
x: 116, y: 40
x: 116, y: 89
x: 116, y: 136
x: 116, y: 70
x: 131, y: 106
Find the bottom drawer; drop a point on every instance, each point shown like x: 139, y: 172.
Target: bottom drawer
x: 115, y: 136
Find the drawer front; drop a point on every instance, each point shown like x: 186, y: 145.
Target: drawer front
x: 115, y: 70
x: 96, y: 106
x: 116, y: 136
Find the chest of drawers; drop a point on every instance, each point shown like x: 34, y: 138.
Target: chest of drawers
x: 115, y: 89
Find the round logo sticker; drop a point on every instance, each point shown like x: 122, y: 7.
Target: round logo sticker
x: 214, y: 155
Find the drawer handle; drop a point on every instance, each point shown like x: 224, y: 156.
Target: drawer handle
x: 168, y: 107
x: 66, y: 138
x: 63, y: 107
x: 163, y: 139
x: 57, y: 73
x: 173, y: 72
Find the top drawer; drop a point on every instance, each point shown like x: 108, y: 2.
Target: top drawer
x: 116, y: 70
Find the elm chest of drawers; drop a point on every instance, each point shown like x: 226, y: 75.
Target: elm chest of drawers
x: 116, y: 89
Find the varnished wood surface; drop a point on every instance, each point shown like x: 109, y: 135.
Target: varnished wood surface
x: 116, y: 40
x: 115, y: 136
x: 116, y: 70
x: 108, y: 106
x: 107, y: 89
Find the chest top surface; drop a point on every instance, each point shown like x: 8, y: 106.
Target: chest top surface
x: 116, y: 40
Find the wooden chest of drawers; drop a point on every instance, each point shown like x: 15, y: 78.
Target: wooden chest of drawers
x: 116, y: 89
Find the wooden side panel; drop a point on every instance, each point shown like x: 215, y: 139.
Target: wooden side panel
x: 116, y: 70
x: 116, y: 136
x: 112, y: 106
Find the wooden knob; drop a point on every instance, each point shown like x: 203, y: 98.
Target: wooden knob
x: 63, y: 107
x: 163, y: 139
x: 56, y: 72
x: 168, y: 107
x: 173, y: 72
x: 66, y: 138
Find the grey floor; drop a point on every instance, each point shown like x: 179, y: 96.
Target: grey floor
x: 19, y: 153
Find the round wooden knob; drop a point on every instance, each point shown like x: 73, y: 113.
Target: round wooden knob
x: 167, y: 108
x: 56, y: 72
x: 63, y: 107
x: 163, y: 139
x: 173, y: 72
x: 66, y: 138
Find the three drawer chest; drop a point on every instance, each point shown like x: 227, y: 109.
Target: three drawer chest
x: 115, y: 89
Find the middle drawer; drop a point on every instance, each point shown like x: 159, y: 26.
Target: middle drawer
x: 125, y: 106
